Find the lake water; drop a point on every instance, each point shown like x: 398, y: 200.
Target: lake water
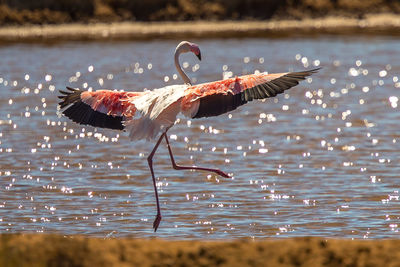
x: 321, y: 160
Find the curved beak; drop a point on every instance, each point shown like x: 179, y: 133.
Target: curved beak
x: 199, y: 56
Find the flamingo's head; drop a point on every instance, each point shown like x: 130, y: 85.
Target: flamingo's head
x: 185, y: 47
x: 194, y: 48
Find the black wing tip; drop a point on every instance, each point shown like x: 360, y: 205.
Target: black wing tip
x: 71, y: 91
x: 69, y: 97
x: 298, y: 76
x: 314, y: 70
x: 306, y: 72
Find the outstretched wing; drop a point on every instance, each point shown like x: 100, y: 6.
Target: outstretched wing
x: 219, y: 97
x: 102, y: 108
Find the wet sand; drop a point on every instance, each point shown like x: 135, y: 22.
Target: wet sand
x: 388, y: 24
x: 57, y: 250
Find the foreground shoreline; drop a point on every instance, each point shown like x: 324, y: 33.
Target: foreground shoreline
x: 377, y: 24
x: 58, y: 250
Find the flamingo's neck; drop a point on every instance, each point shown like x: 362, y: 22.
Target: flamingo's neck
x: 184, y: 77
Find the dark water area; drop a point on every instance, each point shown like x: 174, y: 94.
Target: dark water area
x: 320, y: 160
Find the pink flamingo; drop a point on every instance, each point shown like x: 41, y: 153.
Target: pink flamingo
x: 156, y: 110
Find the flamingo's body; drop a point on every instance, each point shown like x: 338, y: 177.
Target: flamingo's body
x: 146, y: 114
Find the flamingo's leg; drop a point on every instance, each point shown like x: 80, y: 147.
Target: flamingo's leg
x: 178, y: 167
x: 157, y: 220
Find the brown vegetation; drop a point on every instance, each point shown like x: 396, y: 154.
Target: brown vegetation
x: 54, y: 250
x: 19, y: 12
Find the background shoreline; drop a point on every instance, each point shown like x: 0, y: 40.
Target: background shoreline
x: 375, y: 24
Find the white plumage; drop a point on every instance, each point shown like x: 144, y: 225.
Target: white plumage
x: 158, y: 109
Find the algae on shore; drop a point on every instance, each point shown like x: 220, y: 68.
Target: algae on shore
x: 22, y: 12
x: 57, y: 250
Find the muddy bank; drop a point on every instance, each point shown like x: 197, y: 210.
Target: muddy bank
x: 388, y: 24
x: 55, y: 250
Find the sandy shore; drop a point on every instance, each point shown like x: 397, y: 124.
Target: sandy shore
x: 388, y: 24
x: 55, y: 250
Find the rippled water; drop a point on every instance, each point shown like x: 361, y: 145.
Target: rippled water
x: 321, y: 160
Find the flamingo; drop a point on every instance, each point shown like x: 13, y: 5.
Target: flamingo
x: 147, y: 114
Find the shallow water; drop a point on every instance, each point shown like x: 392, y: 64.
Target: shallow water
x: 320, y: 160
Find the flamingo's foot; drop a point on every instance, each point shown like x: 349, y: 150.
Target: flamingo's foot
x: 223, y: 174
x: 157, y: 221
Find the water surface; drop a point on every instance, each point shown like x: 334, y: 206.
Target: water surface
x: 320, y: 160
